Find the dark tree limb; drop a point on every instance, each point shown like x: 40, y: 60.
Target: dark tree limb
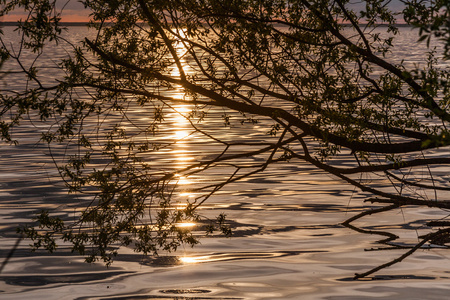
x: 425, y: 239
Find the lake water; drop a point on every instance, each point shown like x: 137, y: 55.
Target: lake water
x: 287, y: 242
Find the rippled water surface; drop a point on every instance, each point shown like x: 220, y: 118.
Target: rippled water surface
x: 287, y: 243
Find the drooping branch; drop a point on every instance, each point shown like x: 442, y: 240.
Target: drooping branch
x: 315, y: 82
x: 370, y: 212
x: 420, y: 185
x: 222, y: 101
x: 429, y: 102
x: 154, y: 22
x: 425, y: 239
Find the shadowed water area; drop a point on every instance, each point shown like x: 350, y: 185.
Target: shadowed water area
x: 287, y: 242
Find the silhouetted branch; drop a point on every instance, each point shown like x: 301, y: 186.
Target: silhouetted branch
x: 11, y: 253
x: 425, y: 239
x: 370, y: 212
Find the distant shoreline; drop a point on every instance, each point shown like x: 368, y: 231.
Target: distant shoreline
x: 73, y: 24
x: 61, y: 23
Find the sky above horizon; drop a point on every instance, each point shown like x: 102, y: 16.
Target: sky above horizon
x: 74, y: 11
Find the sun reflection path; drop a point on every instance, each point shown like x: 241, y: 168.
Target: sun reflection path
x: 182, y: 130
x: 181, y: 124
x: 194, y: 260
x: 181, y: 51
x: 181, y: 153
x: 186, y: 225
x: 240, y: 255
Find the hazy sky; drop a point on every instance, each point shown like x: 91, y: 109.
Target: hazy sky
x: 74, y: 11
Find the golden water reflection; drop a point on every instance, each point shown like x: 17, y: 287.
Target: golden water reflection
x: 195, y: 259
x: 185, y: 225
x: 182, y: 132
x: 181, y: 52
x: 181, y: 152
x: 240, y: 255
x: 183, y: 180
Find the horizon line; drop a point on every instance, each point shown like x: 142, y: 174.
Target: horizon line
x: 84, y: 23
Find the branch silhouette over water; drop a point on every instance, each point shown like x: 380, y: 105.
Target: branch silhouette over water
x: 250, y: 83
x: 10, y: 253
x: 440, y: 237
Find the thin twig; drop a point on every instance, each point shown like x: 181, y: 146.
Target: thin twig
x: 11, y: 253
